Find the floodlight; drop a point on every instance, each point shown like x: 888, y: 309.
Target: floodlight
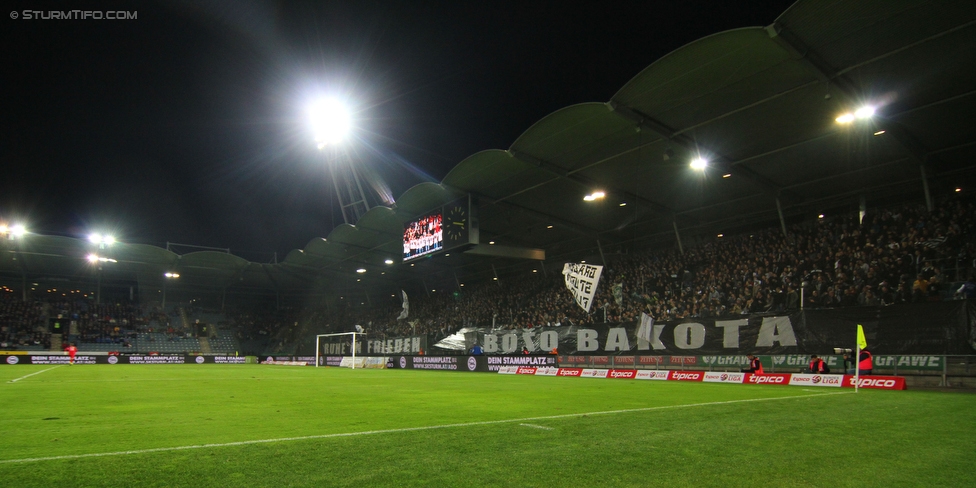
x: 845, y: 119
x: 594, y: 196
x: 95, y: 238
x: 93, y: 258
x: 4, y: 228
x: 18, y: 230
x: 330, y: 121
x: 864, y: 112
x: 388, y: 261
x: 361, y: 270
x: 109, y: 240
x: 878, y: 133
x: 623, y: 204
x: 699, y: 164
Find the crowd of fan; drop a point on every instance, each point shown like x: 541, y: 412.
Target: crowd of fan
x: 885, y: 257
x: 22, y: 324
x: 77, y: 319
x: 890, y: 256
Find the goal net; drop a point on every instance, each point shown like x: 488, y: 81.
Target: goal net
x: 335, y: 349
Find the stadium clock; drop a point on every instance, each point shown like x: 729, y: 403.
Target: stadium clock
x: 456, y: 223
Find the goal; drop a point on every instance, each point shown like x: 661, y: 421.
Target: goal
x: 337, y: 344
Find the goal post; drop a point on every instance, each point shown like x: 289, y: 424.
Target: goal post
x: 318, y: 343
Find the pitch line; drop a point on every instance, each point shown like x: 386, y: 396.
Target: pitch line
x: 36, y: 372
x: 405, y: 429
x: 536, y: 426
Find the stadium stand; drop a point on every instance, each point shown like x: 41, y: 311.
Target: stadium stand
x: 777, y: 142
x: 897, y: 255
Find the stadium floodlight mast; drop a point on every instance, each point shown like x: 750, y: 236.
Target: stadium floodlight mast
x: 101, y: 240
x: 331, y: 123
x: 14, y: 231
x: 318, y: 342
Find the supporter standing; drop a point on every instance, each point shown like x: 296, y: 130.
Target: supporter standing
x: 865, y: 362
x: 755, y: 366
x: 817, y: 365
x: 968, y: 289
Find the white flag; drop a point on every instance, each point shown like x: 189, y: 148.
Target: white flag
x: 406, y: 307
x: 581, y: 281
x: 646, y: 326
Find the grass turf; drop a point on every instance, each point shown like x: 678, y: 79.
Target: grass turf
x: 502, y: 430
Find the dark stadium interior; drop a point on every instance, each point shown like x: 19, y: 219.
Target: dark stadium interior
x: 793, y: 209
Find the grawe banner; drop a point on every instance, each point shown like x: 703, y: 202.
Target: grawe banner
x: 582, y: 280
x: 923, y: 363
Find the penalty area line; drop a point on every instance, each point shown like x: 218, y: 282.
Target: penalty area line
x: 406, y: 429
x: 36, y: 372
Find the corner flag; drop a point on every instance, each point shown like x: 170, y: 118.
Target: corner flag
x: 862, y: 343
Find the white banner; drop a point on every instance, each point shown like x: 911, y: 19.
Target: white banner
x: 581, y: 281
x: 645, y: 331
x: 348, y: 362
x: 406, y: 307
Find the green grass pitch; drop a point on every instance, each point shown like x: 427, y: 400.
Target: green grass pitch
x: 256, y: 425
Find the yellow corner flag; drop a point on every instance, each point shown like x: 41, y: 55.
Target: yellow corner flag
x: 862, y: 343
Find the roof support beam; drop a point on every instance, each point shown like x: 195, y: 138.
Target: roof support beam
x: 812, y: 59
x: 689, y: 144
x: 786, y: 38
x: 582, y: 180
x: 551, y: 219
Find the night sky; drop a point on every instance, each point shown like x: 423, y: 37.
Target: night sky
x: 187, y: 124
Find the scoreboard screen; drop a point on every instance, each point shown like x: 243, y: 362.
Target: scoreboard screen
x: 423, y: 236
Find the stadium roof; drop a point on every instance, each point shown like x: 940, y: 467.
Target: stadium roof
x: 758, y: 103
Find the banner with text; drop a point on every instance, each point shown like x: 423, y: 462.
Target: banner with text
x: 582, y: 280
x: 932, y: 328
x: 121, y: 359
